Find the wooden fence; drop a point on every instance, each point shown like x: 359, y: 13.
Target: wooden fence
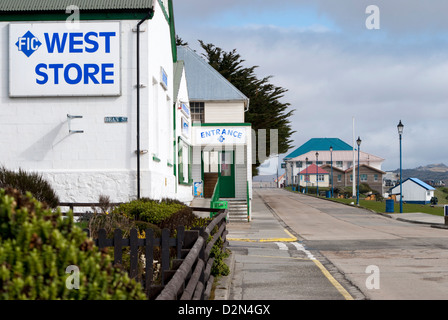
x: 184, y: 276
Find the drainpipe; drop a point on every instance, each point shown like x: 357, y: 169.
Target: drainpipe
x: 149, y: 15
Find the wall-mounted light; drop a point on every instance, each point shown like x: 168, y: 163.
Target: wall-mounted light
x: 70, y: 118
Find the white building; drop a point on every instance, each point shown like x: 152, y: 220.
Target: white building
x: 87, y: 108
x: 338, y: 155
x: 222, y: 149
x: 414, y: 191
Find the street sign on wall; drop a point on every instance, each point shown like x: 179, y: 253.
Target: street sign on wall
x: 49, y: 59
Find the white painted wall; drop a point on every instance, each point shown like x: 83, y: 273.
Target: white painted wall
x: 413, y: 192
x: 224, y: 112
x: 35, y: 131
x: 184, y: 192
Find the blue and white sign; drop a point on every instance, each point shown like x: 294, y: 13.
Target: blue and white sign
x: 185, y: 109
x: 185, y: 128
x: 49, y: 59
x: 163, y: 78
x: 197, y: 188
x: 220, y: 135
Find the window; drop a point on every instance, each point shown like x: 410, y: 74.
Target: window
x: 211, y: 161
x: 339, y: 177
x: 197, y: 111
x: 299, y: 164
x: 339, y: 164
x: 375, y: 177
x: 363, y: 177
x: 226, y: 164
x: 184, y: 166
x: 320, y: 177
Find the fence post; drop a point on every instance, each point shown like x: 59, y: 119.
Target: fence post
x: 133, y: 237
x: 165, y: 251
x: 180, y: 241
x: 149, y: 256
x: 118, y: 251
x: 101, y: 239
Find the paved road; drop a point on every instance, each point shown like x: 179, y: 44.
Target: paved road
x: 299, y: 247
x: 270, y: 263
x: 406, y: 260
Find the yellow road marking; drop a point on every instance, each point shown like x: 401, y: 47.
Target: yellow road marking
x: 291, y: 239
x: 325, y: 272
x: 333, y: 281
x: 278, y: 257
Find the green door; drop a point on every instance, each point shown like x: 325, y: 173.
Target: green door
x: 226, y: 174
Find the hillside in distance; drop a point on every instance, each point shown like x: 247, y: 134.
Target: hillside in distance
x: 436, y: 172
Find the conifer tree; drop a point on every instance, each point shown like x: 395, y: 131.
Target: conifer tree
x: 266, y: 110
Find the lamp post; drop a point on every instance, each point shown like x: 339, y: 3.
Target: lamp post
x: 317, y: 173
x: 306, y: 175
x: 400, y: 127
x: 358, y: 142
x: 331, y: 163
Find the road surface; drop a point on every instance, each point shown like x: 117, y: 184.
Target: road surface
x: 300, y: 247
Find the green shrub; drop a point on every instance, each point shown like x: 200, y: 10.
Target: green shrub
x: 29, y: 182
x: 36, y: 247
x: 148, y: 210
x: 219, y: 267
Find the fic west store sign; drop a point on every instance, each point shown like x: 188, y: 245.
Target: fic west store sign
x: 49, y: 59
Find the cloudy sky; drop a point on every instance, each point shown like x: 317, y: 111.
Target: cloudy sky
x: 336, y: 69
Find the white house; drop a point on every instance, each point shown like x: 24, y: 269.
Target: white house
x: 414, y: 191
x: 330, y: 151
x: 222, y: 148
x: 87, y: 98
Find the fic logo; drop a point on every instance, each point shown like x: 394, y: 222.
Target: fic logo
x: 28, y: 44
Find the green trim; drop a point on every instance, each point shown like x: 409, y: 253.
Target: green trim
x: 237, y: 124
x: 180, y: 179
x: 169, y: 164
x: 174, y: 139
x: 155, y: 158
x: 62, y: 16
x: 172, y: 30
x: 165, y: 12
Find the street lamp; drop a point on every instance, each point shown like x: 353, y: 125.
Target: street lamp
x: 400, y: 127
x: 358, y: 142
x: 306, y: 175
x: 331, y: 163
x: 317, y: 173
x: 292, y: 176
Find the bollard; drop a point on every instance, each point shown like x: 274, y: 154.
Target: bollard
x: 445, y: 214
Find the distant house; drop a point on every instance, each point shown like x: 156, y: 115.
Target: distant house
x: 313, y: 176
x: 280, y: 181
x: 337, y: 155
x: 367, y: 174
x: 414, y: 191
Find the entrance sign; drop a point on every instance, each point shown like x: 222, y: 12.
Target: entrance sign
x: 220, y: 135
x: 49, y: 59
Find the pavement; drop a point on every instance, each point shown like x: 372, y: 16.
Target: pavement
x: 419, y: 217
x: 266, y: 228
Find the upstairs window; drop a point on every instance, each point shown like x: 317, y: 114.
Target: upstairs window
x: 197, y: 112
